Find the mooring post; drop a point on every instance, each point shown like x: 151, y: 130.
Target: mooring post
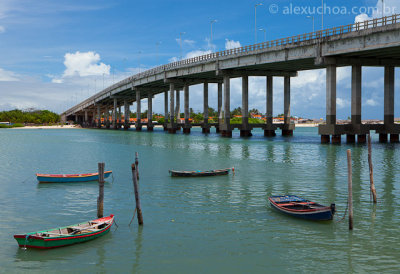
x: 350, y: 189
x: 371, y: 170
x: 100, y: 199
x: 137, y: 199
x: 137, y: 164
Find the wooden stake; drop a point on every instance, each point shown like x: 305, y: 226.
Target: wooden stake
x: 137, y: 165
x: 371, y: 170
x: 136, y: 188
x: 100, y: 199
x: 350, y: 198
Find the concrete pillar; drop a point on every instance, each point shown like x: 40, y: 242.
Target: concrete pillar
x: 245, y: 130
x: 286, y: 131
x: 138, y: 111
x: 171, y: 126
x: 107, y: 117
x: 269, y: 131
x: 127, y: 115
x: 205, y: 128
x: 93, y: 121
x: 165, y: 109
x: 356, y: 79
x: 119, y: 117
x: 350, y: 138
x: 114, y: 114
x: 331, y: 95
x: 178, y: 105
x: 86, y: 119
x: 98, y: 116
x: 150, y: 111
x: 394, y: 138
x: 219, y: 106
x: 186, y: 128
x: 389, y: 96
x: 226, y: 129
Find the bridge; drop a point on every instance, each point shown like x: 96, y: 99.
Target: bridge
x: 371, y: 43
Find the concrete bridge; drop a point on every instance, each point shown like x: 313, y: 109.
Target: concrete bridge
x: 370, y: 43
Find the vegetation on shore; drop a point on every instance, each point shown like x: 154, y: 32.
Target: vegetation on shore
x: 30, y: 116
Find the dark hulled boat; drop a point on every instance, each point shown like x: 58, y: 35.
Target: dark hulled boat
x: 301, y: 208
x: 199, y: 173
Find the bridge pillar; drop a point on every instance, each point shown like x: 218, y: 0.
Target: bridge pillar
x: 93, y: 121
x: 330, y: 128
x: 205, y: 127
x: 166, y: 110
x: 177, y: 105
x: 269, y: 128
x: 171, y: 125
x: 226, y: 129
x: 187, y: 126
x: 287, y: 129
x: 127, y: 115
x: 119, y: 117
x: 138, y: 125
x: 98, y: 116
x: 107, y: 117
x: 86, y: 122
x: 114, y: 114
x: 245, y: 130
x: 219, y: 105
x: 150, y: 111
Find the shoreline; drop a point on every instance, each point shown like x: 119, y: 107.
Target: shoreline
x: 46, y: 127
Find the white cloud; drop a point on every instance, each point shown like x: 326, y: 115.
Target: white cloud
x: 185, y: 42
x: 342, y: 103
x: 371, y: 102
x: 2, y: 29
x: 196, y: 53
x: 84, y: 64
x: 390, y: 7
x: 231, y: 44
x: 7, y: 76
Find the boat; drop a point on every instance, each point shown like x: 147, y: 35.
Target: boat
x: 70, y: 178
x: 67, y: 235
x: 301, y: 208
x: 199, y: 173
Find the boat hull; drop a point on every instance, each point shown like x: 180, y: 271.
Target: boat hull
x: 199, y: 173
x: 319, y: 213
x: 33, y: 241
x: 68, y: 178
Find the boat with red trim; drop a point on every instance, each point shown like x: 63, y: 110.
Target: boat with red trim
x: 199, y: 173
x: 70, y: 178
x: 67, y: 235
x: 302, y: 208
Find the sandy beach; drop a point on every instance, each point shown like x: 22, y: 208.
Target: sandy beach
x: 47, y: 127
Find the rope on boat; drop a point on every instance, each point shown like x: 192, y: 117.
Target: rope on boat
x: 345, y: 212
x: 134, y: 212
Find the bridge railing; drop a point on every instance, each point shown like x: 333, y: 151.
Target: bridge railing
x: 370, y: 24
x: 378, y: 22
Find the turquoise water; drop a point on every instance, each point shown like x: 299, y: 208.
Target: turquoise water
x: 197, y: 225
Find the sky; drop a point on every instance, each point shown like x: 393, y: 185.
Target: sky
x: 56, y: 53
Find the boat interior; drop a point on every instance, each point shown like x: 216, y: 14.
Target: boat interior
x: 74, y: 230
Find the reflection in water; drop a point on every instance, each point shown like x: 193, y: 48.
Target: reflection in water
x: 245, y: 151
x: 388, y: 197
x: 331, y: 171
x: 137, y: 243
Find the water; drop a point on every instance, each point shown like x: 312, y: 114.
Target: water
x: 197, y: 225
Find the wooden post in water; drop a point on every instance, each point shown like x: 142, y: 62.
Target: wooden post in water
x: 136, y: 188
x: 371, y: 170
x: 137, y: 165
x: 100, y: 199
x: 350, y: 198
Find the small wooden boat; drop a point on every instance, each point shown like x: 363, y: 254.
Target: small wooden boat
x: 199, y: 173
x: 70, y: 178
x: 301, y: 208
x: 66, y: 235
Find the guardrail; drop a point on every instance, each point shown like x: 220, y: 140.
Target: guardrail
x: 370, y: 24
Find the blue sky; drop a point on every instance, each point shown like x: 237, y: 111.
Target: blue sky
x: 56, y: 53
